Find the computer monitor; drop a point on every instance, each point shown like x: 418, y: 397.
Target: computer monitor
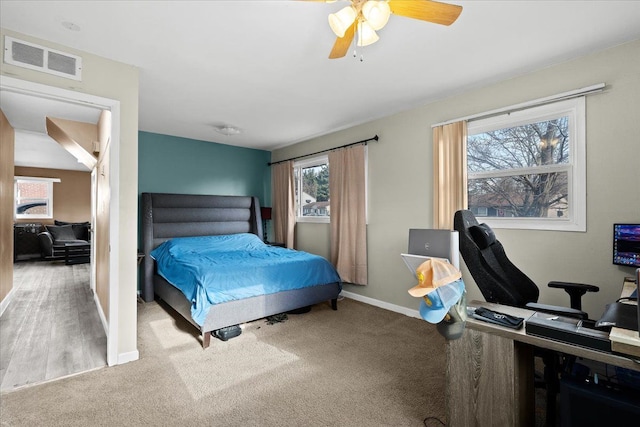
x: 626, y: 244
x: 638, y: 297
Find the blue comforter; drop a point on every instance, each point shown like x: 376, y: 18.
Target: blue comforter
x: 215, y: 269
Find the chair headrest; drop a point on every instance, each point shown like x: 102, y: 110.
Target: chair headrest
x: 482, y: 235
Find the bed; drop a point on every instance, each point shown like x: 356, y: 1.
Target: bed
x: 171, y: 217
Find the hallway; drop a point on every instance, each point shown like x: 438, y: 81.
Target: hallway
x: 51, y: 328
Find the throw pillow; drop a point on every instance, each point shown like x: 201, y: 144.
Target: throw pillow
x: 80, y: 229
x: 61, y: 232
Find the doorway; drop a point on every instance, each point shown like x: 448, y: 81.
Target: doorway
x: 106, y: 299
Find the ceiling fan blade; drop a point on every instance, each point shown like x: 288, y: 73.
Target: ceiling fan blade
x: 341, y: 46
x: 426, y: 10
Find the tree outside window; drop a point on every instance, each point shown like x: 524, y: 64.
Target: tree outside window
x: 313, y: 202
x: 529, y: 147
x: 529, y: 165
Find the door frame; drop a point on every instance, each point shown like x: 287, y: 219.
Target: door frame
x: 94, y: 219
x: 44, y: 91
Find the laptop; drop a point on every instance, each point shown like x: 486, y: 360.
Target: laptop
x: 435, y: 243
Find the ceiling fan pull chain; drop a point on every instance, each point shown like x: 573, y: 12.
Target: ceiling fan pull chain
x: 355, y: 44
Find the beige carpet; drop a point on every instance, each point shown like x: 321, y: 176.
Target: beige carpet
x: 358, y: 366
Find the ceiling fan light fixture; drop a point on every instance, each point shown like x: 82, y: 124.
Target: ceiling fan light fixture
x: 342, y: 20
x: 366, y: 34
x: 376, y: 13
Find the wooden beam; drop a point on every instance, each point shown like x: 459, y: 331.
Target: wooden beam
x: 67, y: 133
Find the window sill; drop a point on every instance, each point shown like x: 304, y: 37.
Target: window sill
x: 537, y: 224
x: 313, y: 219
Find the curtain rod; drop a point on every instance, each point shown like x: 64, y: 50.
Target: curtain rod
x: 533, y: 103
x: 364, y: 141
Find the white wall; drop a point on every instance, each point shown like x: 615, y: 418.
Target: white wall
x: 400, y: 181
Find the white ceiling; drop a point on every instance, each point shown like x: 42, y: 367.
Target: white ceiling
x: 26, y: 114
x: 262, y: 65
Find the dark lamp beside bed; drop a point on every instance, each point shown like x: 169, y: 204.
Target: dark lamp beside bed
x: 266, y: 216
x: 266, y: 213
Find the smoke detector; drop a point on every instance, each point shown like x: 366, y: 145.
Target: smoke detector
x: 227, y: 130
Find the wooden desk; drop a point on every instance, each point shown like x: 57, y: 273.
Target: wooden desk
x: 490, y: 371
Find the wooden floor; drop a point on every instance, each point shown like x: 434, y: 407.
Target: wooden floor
x: 51, y: 327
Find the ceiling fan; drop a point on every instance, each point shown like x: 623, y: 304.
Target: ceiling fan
x: 365, y: 17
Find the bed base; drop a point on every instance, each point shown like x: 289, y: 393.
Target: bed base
x: 166, y: 216
x: 245, y: 310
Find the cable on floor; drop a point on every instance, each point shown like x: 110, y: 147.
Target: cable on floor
x: 433, y: 419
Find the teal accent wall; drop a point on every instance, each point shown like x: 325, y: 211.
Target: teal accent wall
x: 170, y: 164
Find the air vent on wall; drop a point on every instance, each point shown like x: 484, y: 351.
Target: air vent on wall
x: 41, y: 58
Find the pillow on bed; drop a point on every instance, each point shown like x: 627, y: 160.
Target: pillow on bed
x: 61, y: 232
x: 211, y: 244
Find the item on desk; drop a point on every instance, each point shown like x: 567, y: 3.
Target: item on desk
x: 567, y: 329
x: 502, y: 319
x: 452, y: 326
x: 619, y: 315
x: 432, y: 274
x: 435, y: 305
x: 441, y: 290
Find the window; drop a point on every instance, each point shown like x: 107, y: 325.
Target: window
x: 33, y: 197
x: 526, y: 169
x: 312, y: 189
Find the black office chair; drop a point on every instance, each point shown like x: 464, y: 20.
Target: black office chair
x: 502, y: 282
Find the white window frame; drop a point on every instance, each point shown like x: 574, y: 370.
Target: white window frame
x: 298, y: 166
x: 49, y: 182
x: 576, y: 220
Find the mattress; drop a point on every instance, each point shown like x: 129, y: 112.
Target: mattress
x: 211, y: 270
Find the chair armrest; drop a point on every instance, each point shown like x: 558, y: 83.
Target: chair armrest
x: 46, y: 243
x: 570, y: 285
x: 575, y: 291
x: 560, y: 311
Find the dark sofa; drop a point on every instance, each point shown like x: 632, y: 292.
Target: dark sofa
x: 66, y: 240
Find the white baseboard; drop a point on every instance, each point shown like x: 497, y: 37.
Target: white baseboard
x: 382, y: 304
x: 5, y: 302
x: 103, y: 319
x: 122, y: 357
x: 128, y: 357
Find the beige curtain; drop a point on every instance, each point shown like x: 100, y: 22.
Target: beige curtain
x: 347, y: 189
x: 283, y: 203
x: 450, y: 173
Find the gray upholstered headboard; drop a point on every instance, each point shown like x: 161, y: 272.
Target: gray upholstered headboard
x: 165, y: 216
